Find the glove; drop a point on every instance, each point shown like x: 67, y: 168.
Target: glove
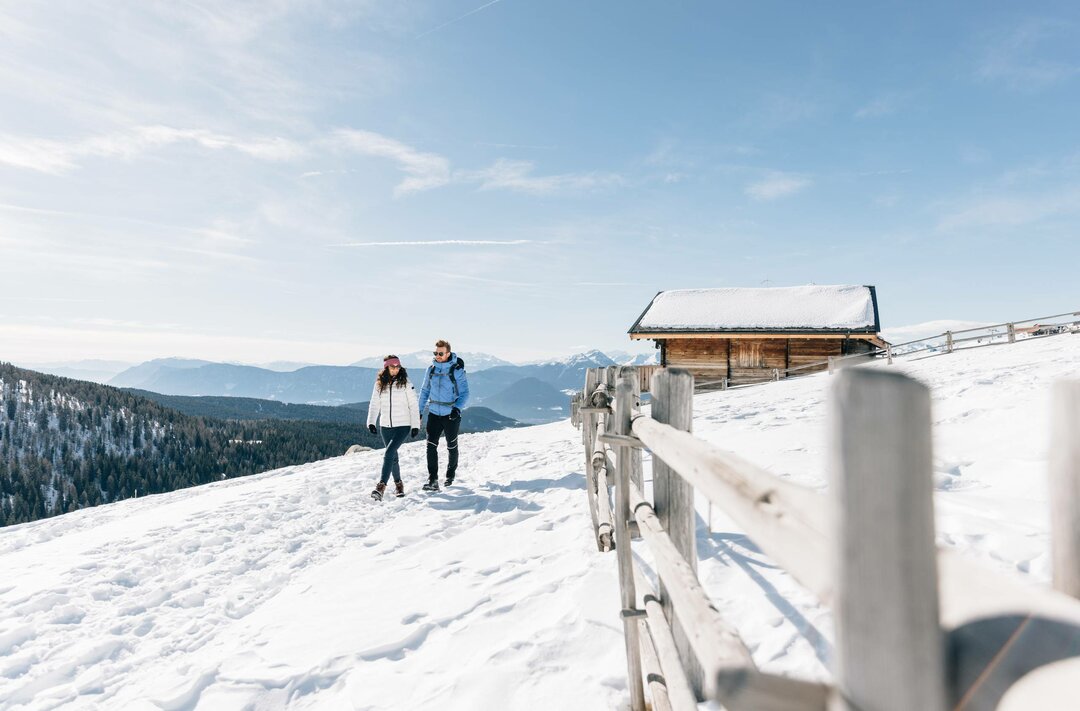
x: 372, y: 430
x: 455, y: 414
x: 414, y: 431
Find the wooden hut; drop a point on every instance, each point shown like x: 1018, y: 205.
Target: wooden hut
x: 745, y: 335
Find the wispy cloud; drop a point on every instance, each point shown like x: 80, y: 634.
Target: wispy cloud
x: 884, y: 105
x: 1013, y: 210
x: 516, y: 175
x: 457, y: 19
x: 442, y: 243
x: 424, y: 170
x: 776, y: 186
x: 57, y: 157
x: 1018, y: 57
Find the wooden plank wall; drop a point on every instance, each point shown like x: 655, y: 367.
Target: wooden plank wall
x: 803, y: 351
x: 753, y: 359
x: 705, y: 358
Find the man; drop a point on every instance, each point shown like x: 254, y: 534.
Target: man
x: 446, y: 390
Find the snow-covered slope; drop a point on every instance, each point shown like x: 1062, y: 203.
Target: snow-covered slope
x: 292, y: 589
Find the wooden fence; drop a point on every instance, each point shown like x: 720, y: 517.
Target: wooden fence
x: 938, y: 344
x: 916, y: 627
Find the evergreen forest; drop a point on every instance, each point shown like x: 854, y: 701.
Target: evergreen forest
x: 69, y: 444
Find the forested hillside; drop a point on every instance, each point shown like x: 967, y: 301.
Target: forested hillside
x: 68, y: 444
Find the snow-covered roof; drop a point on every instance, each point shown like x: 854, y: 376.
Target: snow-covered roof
x: 805, y: 309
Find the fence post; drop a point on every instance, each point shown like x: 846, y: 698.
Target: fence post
x: 948, y: 341
x: 633, y: 453
x: 610, y: 376
x: 724, y: 384
x: 888, y: 637
x: 831, y: 366
x: 1065, y: 487
x: 588, y: 429
x: 1012, y: 332
x: 624, y: 393
x: 673, y: 500
x: 888, y: 354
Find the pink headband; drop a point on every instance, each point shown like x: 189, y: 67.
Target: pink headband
x: 391, y: 361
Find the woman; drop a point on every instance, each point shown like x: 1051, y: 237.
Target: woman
x: 394, y: 401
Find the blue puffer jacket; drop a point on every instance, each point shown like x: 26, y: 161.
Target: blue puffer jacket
x: 439, y: 391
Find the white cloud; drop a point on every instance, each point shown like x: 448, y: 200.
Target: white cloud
x: 58, y: 157
x: 776, y: 186
x: 424, y: 170
x: 516, y: 175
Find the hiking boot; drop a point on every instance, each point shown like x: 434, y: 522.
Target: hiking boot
x: 432, y: 484
x: 399, y: 488
x: 379, y: 489
x: 449, y: 481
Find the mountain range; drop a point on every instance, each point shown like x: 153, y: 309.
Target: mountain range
x: 541, y: 399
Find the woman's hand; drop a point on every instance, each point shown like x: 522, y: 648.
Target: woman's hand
x: 372, y: 430
x: 414, y: 431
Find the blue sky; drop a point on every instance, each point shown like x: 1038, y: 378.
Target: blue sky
x: 324, y: 181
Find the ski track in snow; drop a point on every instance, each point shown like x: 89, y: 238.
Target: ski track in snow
x: 293, y: 589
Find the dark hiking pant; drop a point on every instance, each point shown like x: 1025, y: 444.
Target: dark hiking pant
x: 437, y: 426
x: 393, y: 437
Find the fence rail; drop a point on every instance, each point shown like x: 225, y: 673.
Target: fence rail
x: 916, y: 627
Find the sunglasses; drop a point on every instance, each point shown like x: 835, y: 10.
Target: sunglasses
x: 438, y: 353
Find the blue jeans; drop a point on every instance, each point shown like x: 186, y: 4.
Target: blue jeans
x: 394, y: 437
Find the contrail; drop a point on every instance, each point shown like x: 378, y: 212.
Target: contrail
x: 439, y: 243
x: 457, y: 19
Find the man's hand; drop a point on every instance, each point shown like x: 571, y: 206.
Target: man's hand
x: 372, y: 430
x: 455, y: 414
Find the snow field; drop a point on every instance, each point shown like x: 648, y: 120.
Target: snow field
x: 292, y: 589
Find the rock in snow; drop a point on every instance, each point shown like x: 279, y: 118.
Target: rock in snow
x: 292, y: 589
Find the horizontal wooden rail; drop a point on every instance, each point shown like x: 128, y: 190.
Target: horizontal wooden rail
x: 713, y: 640
x: 787, y: 521
x: 678, y: 686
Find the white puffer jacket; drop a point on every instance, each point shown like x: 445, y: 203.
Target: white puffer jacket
x: 398, y: 407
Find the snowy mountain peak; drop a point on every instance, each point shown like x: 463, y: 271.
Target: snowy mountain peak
x: 590, y: 359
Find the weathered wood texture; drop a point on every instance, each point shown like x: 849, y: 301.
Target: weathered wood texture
x: 588, y: 433
x: 785, y: 520
x: 673, y: 499
x: 806, y: 351
x: 704, y: 634
x: 890, y: 649
x: 623, y: 552
x: 1065, y: 487
x: 678, y: 686
x: 753, y: 691
x: 655, y: 681
x: 634, y: 453
x: 744, y: 359
x: 605, y: 530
